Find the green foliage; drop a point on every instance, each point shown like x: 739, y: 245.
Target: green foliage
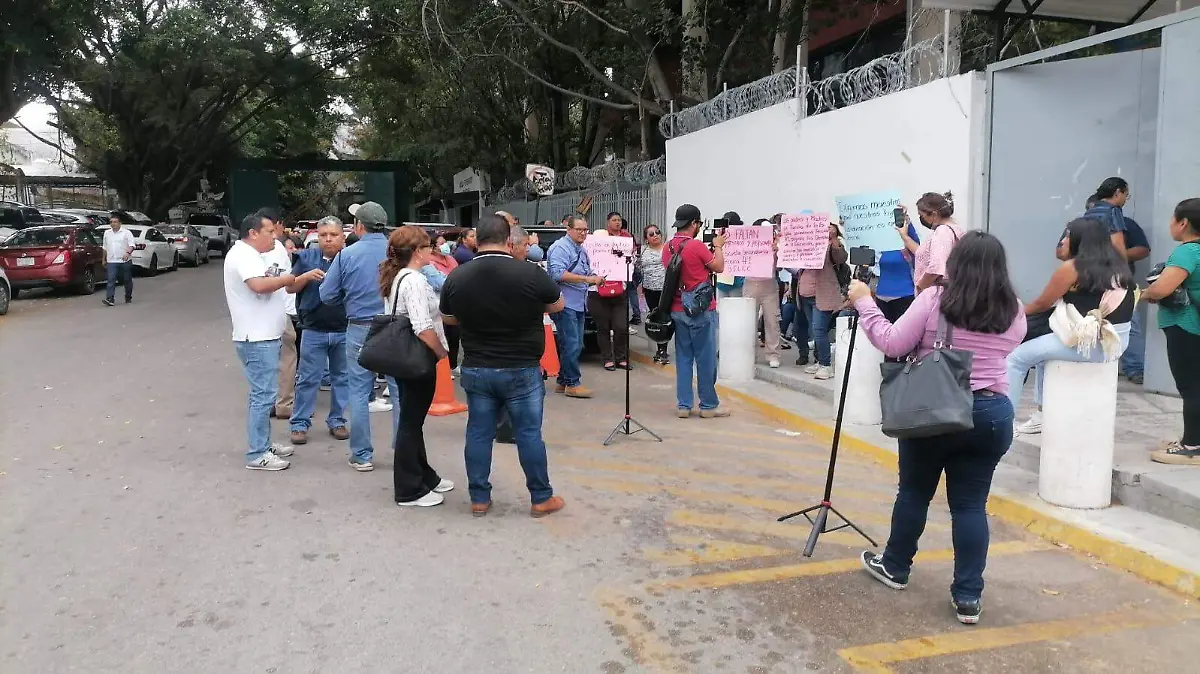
x: 35, y: 40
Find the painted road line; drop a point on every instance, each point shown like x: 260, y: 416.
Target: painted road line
x: 876, y: 658
x: 708, y: 551
x: 806, y: 570
x: 722, y: 452
x: 645, y: 647
x: 764, y: 527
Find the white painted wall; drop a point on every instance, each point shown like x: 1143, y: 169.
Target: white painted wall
x: 768, y: 162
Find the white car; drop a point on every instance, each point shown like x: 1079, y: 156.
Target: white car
x: 152, y: 252
x: 216, y: 228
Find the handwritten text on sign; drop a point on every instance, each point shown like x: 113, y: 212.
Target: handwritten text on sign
x: 868, y: 220
x: 803, y: 241
x: 749, y: 251
x: 606, y: 263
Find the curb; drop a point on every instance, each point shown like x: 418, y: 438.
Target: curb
x: 1008, y: 509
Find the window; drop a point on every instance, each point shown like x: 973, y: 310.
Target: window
x: 28, y: 238
x: 86, y: 238
x: 155, y: 235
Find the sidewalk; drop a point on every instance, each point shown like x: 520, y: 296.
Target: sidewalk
x: 1153, y: 532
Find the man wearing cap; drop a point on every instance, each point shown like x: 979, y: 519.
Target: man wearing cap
x: 353, y: 281
x: 695, y: 336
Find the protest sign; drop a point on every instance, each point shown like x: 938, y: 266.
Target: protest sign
x: 803, y: 241
x: 606, y: 263
x: 868, y: 220
x: 750, y: 251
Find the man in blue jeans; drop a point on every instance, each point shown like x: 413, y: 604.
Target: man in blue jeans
x: 1133, y: 361
x: 353, y: 282
x: 571, y: 268
x: 118, y: 258
x: 695, y: 336
x: 258, y: 316
x: 323, y: 348
x: 498, y: 303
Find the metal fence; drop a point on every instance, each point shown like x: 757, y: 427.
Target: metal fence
x: 637, y: 174
x: 641, y: 206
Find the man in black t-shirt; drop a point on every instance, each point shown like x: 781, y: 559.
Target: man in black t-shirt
x: 498, y: 303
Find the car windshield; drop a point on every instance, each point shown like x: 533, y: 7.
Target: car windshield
x: 38, y: 237
x: 205, y: 220
x: 172, y: 229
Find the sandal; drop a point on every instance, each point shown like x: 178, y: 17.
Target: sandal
x: 624, y: 365
x: 610, y: 366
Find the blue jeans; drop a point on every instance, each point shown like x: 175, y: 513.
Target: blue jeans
x: 635, y: 307
x: 521, y: 393
x: 1133, y: 361
x: 361, y: 383
x: 1036, y: 352
x: 321, y: 354
x: 819, y: 323
x: 787, y: 315
x: 260, y: 364
x: 568, y: 337
x: 112, y: 271
x: 696, y: 345
x: 969, y: 459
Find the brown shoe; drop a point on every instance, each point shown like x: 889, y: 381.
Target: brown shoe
x: 283, y: 412
x: 340, y: 433
x: 299, y: 437
x: 715, y: 413
x: 547, y: 507
x: 578, y: 392
x: 559, y: 388
x: 480, y: 509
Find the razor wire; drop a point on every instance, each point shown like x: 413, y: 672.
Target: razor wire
x: 638, y: 174
x: 919, y: 64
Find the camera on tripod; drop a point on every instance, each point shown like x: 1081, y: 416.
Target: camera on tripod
x: 710, y: 233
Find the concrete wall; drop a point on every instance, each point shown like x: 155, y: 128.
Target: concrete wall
x: 769, y: 161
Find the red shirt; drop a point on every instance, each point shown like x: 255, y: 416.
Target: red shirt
x: 696, y: 258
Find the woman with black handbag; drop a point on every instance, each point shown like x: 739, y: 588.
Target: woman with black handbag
x: 979, y: 313
x: 407, y: 293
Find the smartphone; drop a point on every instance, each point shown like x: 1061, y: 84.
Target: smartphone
x: 898, y: 216
x: 720, y: 223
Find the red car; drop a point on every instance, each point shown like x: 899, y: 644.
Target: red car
x: 54, y: 256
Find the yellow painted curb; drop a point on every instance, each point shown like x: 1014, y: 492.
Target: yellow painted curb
x: 1034, y: 520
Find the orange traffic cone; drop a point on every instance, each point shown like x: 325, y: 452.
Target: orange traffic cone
x: 550, y: 354
x: 443, y: 396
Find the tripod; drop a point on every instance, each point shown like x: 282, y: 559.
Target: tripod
x: 820, y: 521
x: 626, y: 425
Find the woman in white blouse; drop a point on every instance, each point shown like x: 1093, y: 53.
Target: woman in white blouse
x: 407, y: 292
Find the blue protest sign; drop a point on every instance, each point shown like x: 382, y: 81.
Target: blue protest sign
x: 868, y: 221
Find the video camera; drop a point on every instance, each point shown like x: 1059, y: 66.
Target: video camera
x: 710, y: 233
x: 863, y: 259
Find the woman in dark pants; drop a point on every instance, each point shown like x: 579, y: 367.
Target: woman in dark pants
x: 407, y: 292
x: 612, y: 313
x: 654, y: 276
x: 987, y: 319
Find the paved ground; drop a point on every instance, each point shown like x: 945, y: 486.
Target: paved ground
x: 132, y: 540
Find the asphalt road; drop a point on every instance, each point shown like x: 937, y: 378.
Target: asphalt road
x: 133, y: 540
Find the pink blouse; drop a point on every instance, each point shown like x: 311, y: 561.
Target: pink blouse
x: 935, y: 250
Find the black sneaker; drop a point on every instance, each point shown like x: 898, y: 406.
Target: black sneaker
x: 128, y: 300
x: 785, y: 346
x: 636, y: 320
x: 873, y: 563
x: 968, y: 611
x: 802, y: 359
x: 108, y: 303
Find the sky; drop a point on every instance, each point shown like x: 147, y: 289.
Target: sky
x: 45, y: 161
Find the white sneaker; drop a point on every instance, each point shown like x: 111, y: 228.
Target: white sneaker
x: 823, y: 372
x: 444, y: 486
x: 633, y: 331
x: 379, y: 405
x: 361, y: 466
x: 431, y: 499
x: 774, y: 363
x: 1032, y: 426
x: 812, y: 369
x: 268, y: 461
x: 457, y: 372
x: 385, y: 392
x: 282, y: 451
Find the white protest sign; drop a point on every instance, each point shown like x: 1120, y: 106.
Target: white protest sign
x: 602, y: 251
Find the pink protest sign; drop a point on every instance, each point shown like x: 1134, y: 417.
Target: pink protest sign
x: 749, y: 251
x: 605, y: 262
x: 803, y: 241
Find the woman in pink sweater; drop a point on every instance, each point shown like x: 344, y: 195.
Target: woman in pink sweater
x: 978, y: 301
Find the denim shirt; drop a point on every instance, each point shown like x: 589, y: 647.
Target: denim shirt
x: 1111, y: 216
x: 562, y: 255
x: 435, y: 277
x: 353, y: 278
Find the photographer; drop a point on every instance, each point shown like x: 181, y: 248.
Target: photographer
x: 610, y: 309
x: 695, y: 327
x: 987, y: 319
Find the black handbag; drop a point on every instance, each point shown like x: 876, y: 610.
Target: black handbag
x: 1037, y: 325
x: 393, y: 349
x: 924, y: 397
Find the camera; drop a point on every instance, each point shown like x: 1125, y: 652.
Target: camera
x: 863, y: 259
x: 710, y: 233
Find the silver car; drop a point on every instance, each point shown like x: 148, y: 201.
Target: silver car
x: 191, y: 245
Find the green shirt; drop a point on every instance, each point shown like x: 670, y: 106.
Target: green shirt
x: 1187, y: 258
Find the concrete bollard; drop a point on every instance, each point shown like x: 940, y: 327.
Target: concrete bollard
x: 737, y: 335
x: 1079, y: 414
x: 862, y: 398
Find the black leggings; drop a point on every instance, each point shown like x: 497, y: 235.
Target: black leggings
x: 414, y: 477
x: 1183, y: 355
x: 612, y: 325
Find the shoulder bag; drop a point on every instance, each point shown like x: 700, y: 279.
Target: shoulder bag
x: 925, y: 397
x: 393, y: 349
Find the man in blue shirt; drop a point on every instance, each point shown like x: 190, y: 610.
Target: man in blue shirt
x: 323, y: 347
x: 1110, y: 198
x: 353, y: 281
x: 571, y: 269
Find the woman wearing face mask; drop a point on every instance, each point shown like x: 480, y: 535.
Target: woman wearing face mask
x: 936, y: 211
x: 441, y: 261
x: 654, y: 275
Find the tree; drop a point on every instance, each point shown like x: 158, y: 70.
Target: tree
x: 35, y: 41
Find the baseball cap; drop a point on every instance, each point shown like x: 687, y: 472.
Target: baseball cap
x: 686, y: 215
x: 370, y: 213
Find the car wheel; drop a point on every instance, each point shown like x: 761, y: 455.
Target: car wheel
x: 4, y: 299
x: 152, y: 270
x: 87, y: 284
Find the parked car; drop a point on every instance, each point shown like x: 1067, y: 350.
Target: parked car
x: 54, y: 256
x: 216, y: 228
x: 94, y: 217
x: 152, y: 250
x: 189, y: 242
x: 5, y: 292
x: 15, y: 217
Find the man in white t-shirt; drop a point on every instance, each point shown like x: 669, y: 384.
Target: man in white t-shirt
x: 285, y: 396
x: 257, y: 313
x: 118, y: 259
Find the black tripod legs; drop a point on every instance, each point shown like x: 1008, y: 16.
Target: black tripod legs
x: 820, y: 525
x: 626, y: 427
